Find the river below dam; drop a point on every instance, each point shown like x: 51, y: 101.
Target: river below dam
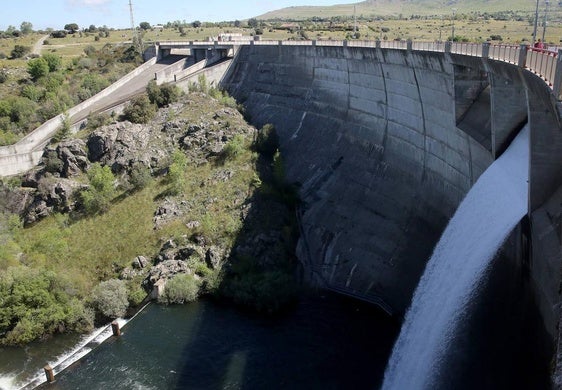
x: 326, y: 342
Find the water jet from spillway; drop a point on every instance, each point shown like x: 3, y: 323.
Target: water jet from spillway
x: 484, y: 219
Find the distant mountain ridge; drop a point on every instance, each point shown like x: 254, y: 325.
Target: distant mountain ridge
x: 404, y: 7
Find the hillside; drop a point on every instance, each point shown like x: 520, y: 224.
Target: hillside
x: 186, y: 197
x: 404, y: 7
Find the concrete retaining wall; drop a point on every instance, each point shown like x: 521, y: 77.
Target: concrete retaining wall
x: 192, y: 69
x: 213, y: 74
x: 166, y: 75
x: 14, y: 158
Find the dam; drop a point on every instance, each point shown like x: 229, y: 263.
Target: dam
x: 384, y: 143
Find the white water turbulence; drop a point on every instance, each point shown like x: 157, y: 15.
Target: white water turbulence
x: 85, y: 346
x: 482, y: 222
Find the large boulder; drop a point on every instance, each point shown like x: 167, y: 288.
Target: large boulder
x: 165, y: 271
x: 53, y: 195
x: 121, y: 145
x: 65, y: 159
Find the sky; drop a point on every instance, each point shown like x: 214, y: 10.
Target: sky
x: 115, y: 13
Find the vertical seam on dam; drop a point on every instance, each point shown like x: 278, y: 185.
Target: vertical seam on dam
x: 423, y: 123
x: 385, y: 107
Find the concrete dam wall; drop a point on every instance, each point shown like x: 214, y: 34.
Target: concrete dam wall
x: 384, y: 144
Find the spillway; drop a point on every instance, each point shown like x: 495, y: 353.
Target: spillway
x: 484, y: 219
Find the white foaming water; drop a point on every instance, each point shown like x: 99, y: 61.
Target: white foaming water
x: 482, y: 222
x: 85, y: 346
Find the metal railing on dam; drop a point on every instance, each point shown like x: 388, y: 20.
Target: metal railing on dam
x: 546, y: 64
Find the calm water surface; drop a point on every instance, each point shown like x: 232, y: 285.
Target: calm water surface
x: 326, y: 342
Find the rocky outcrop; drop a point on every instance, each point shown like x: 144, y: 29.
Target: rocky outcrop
x: 139, y: 266
x: 52, y: 195
x: 179, y: 256
x: 65, y: 159
x: 166, y: 270
x: 122, y: 145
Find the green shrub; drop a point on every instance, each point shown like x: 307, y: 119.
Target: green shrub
x: 19, y: 109
x: 97, y: 120
x: 140, y: 110
x: 162, y: 95
x: 267, y: 141
x: 19, y: 51
x: 54, y: 61
x: 36, y: 302
x: 52, y: 162
x: 140, y: 176
x: 233, y: 148
x: 52, y: 82
x: 7, y: 138
x: 264, y: 291
x: 176, y: 173
x: 181, y: 288
x: 32, y: 93
x: 97, y: 198
x: 3, y: 76
x: 94, y: 83
x: 37, y: 68
x: 64, y: 131
x: 110, y: 298
x: 136, y: 296
x: 203, y: 84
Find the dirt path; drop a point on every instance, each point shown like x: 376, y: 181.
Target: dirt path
x: 39, y: 45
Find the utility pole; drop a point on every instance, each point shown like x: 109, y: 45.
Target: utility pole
x: 137, y: 41
x: 354, y: 22
x: 545, y: 21
x: 453, y: 27
x: 536, y: 22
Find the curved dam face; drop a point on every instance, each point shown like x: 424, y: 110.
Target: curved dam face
x: 384, y: 144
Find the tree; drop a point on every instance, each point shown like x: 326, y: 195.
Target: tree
x: 26, y: 28
x: 196, y: 24
x: 145, y: 26
x: 37, y: 302
x: 92, y: 28
x: 98, y: 196
x: 54, y: 61
x: 140, y: 110
x: 71, y: 28
x: 37, y: 68
x: 19, y: 51
x: 162, y: 95
x: 110, y: 298
x: 237, y: 23
x: 253, y: 23
x: 59, y: 34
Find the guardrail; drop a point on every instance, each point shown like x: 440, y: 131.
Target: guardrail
x: 547, y: 64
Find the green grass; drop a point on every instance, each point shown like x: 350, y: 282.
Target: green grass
x: 92, y: 248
